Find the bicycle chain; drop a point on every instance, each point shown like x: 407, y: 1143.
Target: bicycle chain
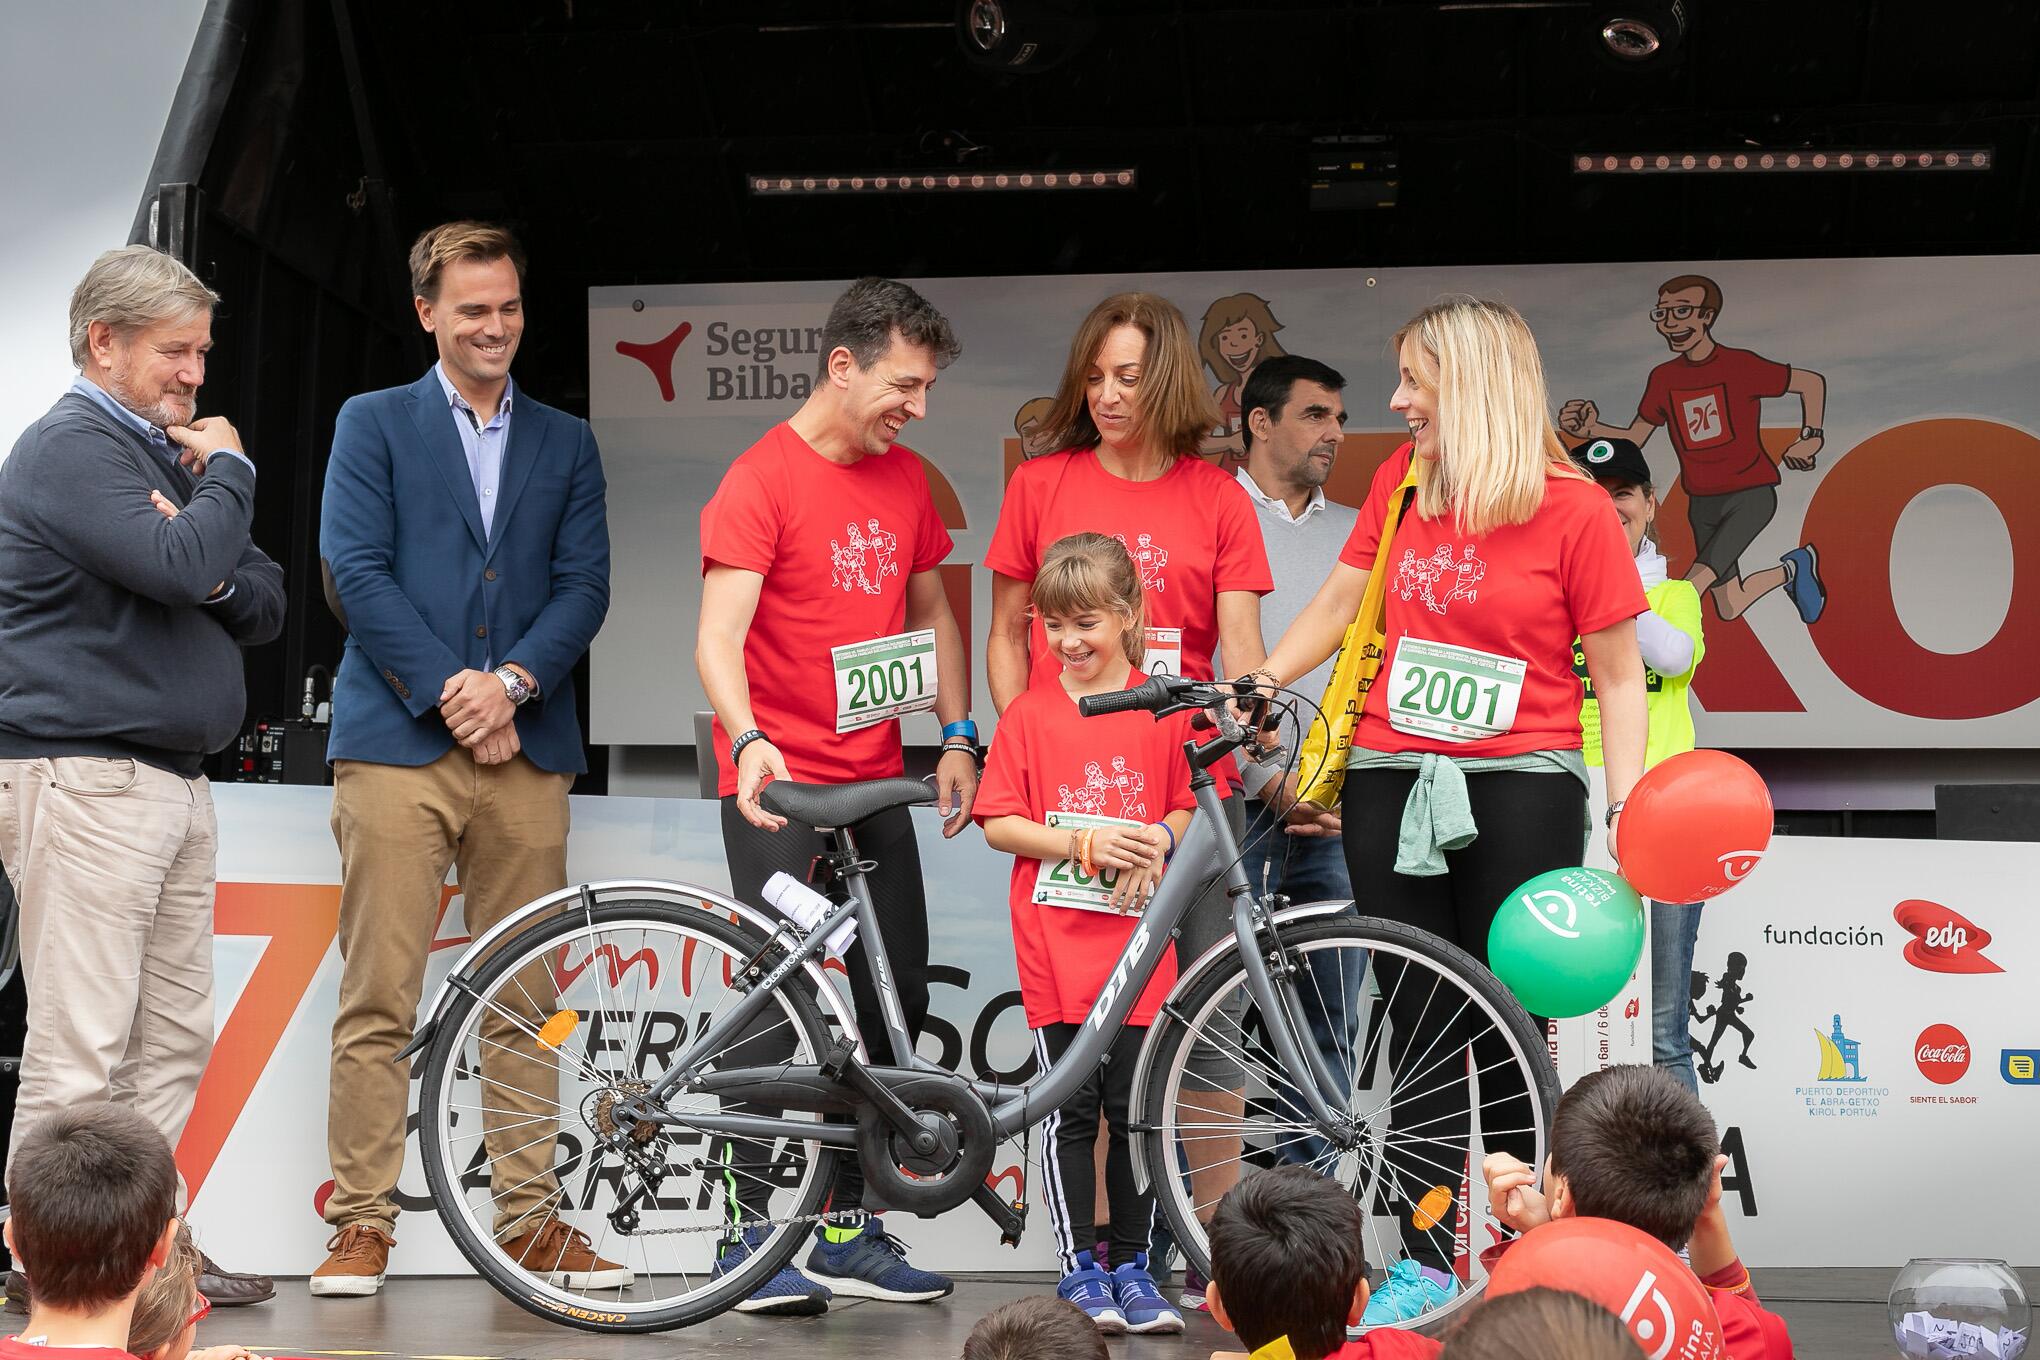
x: 844, y: 1217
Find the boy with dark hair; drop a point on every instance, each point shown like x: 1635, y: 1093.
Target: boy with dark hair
x: 1039, y: 1327
x: 93, y: 1193
x: 1288, y: 1275
x: 1630, y: 1143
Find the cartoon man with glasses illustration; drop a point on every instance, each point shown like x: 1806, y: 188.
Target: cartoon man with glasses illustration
x: 1709, y: 399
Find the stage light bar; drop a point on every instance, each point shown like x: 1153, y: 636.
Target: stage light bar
x: 1749, y: 161
x: 943, y: 182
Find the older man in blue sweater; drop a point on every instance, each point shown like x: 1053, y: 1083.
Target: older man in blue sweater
x: 128, y: 586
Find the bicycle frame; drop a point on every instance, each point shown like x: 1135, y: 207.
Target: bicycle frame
x: 1208, y: 846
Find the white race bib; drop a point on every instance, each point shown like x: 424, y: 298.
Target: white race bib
x: 1063, y: 882
x: 883, y: 678
x: 1451, y: 693
x: 1164, y: 652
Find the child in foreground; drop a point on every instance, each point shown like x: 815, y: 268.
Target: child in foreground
x: 169, y: 1308
x: 1091, y: 809
x: 1288, y: 1275
x: 1631, y: 1144
x: 1037, y: 1328
x: 93, y: 1194
x: 1541, y: 1324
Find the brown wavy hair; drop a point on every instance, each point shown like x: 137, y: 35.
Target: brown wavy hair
x: 1174, y: 412
x: 166, y: 1301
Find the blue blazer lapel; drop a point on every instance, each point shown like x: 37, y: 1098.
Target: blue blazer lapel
x: 519, y: 456
x: 434, y: 421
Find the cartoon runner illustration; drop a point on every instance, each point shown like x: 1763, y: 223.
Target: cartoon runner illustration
x: 1727, y: 1015
x: 850, y: 559
x: 1028, y: 422
x: 1238, y: 332
x: 1709, y: 398
x: 1131, y: 784
x: 883, y: 545
x: 1149, y: 559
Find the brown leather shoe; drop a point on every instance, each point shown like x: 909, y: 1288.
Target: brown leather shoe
x: 232, y: 1288
x: 566, y: 1258
x: 359, y: 1258
x: 17, y: 1293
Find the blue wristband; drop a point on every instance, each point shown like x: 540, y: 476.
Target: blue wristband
x: 1172, y: 841
x: 966, y: 728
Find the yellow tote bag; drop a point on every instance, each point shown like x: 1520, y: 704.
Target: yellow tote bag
x: 1322, y: 760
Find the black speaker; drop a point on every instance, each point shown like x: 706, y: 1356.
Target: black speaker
x: 1987, y: 812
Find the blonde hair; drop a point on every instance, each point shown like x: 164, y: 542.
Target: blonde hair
x: 131, y: 289
x: 440, y: 246
x: 1173, y: 413
x: 166, y: 1302
x: 1086, y: 572
x: 1496, y: 445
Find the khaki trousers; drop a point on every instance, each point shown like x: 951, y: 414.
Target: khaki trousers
x: 112, y: 863
x: 400, y: 828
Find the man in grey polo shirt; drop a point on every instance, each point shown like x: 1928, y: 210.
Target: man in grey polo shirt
x: 1292, y: 419
x: 128, y: 586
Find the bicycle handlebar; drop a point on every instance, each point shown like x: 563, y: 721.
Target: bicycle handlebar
x: 1153, y: 693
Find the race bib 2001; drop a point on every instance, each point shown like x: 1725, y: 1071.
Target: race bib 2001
x: 1452, y: 693
x: 883, y: 678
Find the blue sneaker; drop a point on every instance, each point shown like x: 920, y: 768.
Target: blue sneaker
x: 1091, y: 1290
x: 1802, y: 582
x: 787, y: 1294
x: 1409, y: 1292
x: 873, y: 1265
x: 1140, y: 1303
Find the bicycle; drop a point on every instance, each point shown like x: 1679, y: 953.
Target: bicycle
x: 636, y: 989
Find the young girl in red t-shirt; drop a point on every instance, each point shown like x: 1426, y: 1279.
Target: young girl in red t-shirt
x: 1091, y: 809
x: 1465, y: 777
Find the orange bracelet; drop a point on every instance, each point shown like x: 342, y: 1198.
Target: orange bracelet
x: 1084, y: 839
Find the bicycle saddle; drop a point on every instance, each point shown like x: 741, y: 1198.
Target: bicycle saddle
x: 828, y: 806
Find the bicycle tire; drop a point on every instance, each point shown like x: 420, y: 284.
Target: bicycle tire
x: 594, y: 1310
x: 1173, y: 1039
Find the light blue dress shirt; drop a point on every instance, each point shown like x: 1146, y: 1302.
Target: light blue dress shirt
x: 483, y: 444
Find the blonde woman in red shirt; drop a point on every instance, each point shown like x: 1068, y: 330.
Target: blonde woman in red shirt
x: 1465, y: 777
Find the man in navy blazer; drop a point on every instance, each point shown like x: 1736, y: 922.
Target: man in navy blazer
x: 465, y: 529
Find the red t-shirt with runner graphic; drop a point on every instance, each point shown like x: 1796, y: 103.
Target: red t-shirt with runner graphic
x: 1521, y: 592
x: 1049, y: 758
x: 1192, y: 533
x: 1714, y: 412
x: 835, y: 544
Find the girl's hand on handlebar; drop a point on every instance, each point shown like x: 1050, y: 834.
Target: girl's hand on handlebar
x: 1127, y: 847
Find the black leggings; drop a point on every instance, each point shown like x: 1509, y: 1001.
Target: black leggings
x: 1069, y: 1139
x: 901, y: 907
x: 1529, y: 822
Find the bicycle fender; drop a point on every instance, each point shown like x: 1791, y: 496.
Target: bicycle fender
x: 1186, y: 978
x: 681, y: 894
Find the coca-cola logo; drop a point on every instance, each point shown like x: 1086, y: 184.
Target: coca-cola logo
x: 1942, y: 1052
x: 1943, y: 940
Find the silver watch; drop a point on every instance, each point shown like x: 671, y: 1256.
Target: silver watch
x: 519, y: 688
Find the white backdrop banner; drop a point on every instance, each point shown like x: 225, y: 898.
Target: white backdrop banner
x: 1915, y: 510
x: 1862, y: 1008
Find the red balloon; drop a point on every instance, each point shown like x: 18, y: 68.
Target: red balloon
x: 1628, y: 1272
x: 1693, y: 827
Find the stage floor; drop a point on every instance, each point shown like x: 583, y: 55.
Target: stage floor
x: 1834, y: 1315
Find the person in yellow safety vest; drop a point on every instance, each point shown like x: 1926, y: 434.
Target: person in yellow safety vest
x: 1670, y: 638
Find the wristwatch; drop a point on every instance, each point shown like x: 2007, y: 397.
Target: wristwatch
x: 520, y: 689
x: 1608, y: 817
x: 1811, y: 432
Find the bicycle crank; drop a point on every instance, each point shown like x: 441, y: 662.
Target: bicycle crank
x: 957, y: 1143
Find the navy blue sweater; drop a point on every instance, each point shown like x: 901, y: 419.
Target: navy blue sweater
x: 107, y: 646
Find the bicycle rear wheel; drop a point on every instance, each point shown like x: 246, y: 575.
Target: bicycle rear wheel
x: 518, y: 1120
x: 1418, y: 1185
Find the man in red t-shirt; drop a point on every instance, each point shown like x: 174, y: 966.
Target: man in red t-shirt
x: 1709, y: 400
x: 823, y: 618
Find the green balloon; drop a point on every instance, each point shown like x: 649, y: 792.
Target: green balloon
x: 1567, y: 941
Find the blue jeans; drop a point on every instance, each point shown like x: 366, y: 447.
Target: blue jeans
x: 1311, y: 869
x: 1673, y: 929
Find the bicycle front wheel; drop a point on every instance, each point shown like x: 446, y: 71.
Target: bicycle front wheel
x: 1433, y: 1062
x: 574, y: 1212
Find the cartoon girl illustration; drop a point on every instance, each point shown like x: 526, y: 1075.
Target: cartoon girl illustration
x: 1237, y: 333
